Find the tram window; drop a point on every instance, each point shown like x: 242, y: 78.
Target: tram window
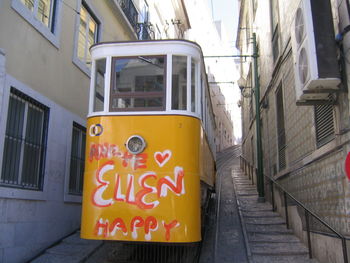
x: 138, y: 83
x: 179, y: 83
x: 193, y: 86
x: 99, y: 84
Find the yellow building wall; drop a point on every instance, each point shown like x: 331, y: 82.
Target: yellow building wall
x: 49, y: 70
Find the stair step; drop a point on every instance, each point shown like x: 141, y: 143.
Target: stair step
x: 267, y: 238
x: 280, y: 249
x: 283, y: 259
x: 268, y: 229
x: 259, y: 214
x: 245, y: 186
x: 250, y: 207
x: 265, y: 221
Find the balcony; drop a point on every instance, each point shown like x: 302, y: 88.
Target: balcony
x: 145, y: 31
x: 130, y: 12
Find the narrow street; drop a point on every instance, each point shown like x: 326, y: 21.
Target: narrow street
x: 224, y: 241
x: 238, y: 229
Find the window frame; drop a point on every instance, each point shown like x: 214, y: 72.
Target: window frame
x: 94, y: 14
x: 52, y: 33
x: 81, y: 145
x: 138, y: 94
x: 185, y: 92
x: 282, y: 160
x: 275, y: 35
x: 28, y: 100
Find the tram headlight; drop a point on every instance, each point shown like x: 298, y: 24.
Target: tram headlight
x: 135, y: 144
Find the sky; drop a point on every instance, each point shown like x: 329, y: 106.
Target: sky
x: 227, y: 12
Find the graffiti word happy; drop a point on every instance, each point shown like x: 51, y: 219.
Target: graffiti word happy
x: 149, y: 224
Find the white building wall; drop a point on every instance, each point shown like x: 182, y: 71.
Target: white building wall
x: 204, y: 31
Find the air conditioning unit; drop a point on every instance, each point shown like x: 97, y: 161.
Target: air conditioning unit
x: 316, y: 68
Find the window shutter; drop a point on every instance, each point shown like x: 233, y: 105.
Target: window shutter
x: 324, y: 122
x: 281, y: 141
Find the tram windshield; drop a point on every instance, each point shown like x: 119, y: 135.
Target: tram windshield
x: 138, y: 83
x: 162, y: 82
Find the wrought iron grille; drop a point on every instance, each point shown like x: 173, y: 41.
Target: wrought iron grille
x: 25, y: 142
x: 145, y: 31
x: 77, y: 159
x: 130, y: 12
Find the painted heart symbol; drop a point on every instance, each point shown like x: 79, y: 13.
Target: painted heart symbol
x: 162, y: 157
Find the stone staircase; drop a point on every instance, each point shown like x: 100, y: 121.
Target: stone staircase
x: 266, y: 235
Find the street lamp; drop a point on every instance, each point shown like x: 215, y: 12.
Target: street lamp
x: 245, y: 90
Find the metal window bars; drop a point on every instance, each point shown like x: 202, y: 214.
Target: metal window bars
x: 25, y: 142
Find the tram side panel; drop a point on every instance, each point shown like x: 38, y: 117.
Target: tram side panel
x: 207, y: 167
x: 153, y: 196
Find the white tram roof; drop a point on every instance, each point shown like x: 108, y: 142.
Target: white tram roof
x: 144, y: 48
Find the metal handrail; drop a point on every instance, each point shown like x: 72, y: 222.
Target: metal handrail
x: 244, y: 163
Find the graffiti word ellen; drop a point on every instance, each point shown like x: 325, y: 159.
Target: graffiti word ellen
x: 161, y: 189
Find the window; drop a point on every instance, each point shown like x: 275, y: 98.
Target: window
x: 138, y: 83
x: 43, y: 10
x: 144, y: 31
x: 88, y: 32
x: 250, y: 94
x: 130, y: 11
x: 25, y: 142
x: 281, y: 133
x: 275, y: 29
x: 194, y: 69
x: 255, y: 6
x: 179, y: 83
x: 247, y: 29
x: 324, y: 122
x: 100, y: 70
x: 158, y: 33
x: 43, y: 15
x: 77, y: 159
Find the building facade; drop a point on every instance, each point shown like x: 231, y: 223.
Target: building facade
x: 304, y: 108
x: 219, y: 71
x: 44, y: 87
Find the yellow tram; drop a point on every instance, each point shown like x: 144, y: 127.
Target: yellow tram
x: 150, y: 154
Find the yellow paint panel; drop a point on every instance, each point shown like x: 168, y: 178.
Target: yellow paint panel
x: 153, y: 196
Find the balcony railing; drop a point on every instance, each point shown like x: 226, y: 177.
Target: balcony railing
x: 145, y: 31
x: 130, y: 12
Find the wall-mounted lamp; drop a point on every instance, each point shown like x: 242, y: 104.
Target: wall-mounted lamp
x: 246, y: 91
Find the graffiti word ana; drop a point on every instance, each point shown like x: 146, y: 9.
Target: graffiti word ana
x: 150, y: 224
x: 160, y: 188
x: 106, y: 150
